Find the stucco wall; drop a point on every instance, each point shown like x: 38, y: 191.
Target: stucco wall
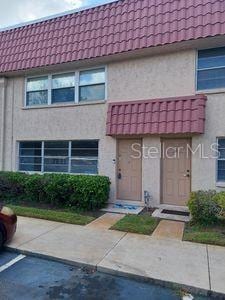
x: 3, y: 85
x: 151, y: 168
x: 204, y: 169
x: 1, y: 117
x: 166, y: 75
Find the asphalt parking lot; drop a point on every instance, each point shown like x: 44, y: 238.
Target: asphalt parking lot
x: 25, y: 278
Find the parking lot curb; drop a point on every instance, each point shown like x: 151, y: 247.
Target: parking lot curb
x: 52, y: 258
x: 163, y: 283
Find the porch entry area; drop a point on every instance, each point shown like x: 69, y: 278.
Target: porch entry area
x: 164, y: 117
x: 175, y: 171
x: 129, y: 169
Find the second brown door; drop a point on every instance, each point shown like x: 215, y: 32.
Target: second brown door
x: 176, y: 171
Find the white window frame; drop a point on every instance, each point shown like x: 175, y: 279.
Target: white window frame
x: 76, y: 86
x: 70, y: 158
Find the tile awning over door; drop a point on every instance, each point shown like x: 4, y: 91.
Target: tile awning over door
x: 179, y: 115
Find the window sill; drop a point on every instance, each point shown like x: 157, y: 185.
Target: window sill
x: 67, y: 173
x: 212, y: 91
x: 220, y: 184
x: 65, y: 105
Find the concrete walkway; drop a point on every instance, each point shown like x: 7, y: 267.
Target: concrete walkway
x: 170, y: 261
x: 169, y: 229
x: 105, y: 221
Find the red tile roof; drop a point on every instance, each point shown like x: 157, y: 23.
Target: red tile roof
x: 117, y: 27
x: 160, y: 116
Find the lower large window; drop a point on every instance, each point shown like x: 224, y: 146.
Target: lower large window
x: 30, y: 156
x: 79, y: 157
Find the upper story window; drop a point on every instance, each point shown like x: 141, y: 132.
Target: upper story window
x: 37, y: 91
x: 87, y: 85
x: 211, y: 69
x: 63, y: 88
x: 92, y: 85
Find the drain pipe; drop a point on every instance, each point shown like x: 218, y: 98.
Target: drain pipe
x: 148, y: 200
x: 3, y: 83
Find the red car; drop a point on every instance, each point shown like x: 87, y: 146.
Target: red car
x: 8, y: 222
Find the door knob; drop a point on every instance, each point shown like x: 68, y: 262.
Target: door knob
x: 119, y: 176
x: 187, y: 175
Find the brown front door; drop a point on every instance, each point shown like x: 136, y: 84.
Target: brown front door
x: 129, y: 165
x: 176, y: 171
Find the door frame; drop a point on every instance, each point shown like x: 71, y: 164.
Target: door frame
x: 117, y: 167
x: 162, y: 139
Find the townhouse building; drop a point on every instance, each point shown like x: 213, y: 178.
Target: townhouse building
x: 106, y: 90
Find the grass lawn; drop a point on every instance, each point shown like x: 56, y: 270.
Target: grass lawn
x: 142, y: 224
x: 52, y: 215
x: 214, y: 235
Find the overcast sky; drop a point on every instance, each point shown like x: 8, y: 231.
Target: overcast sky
x: 17, y: 11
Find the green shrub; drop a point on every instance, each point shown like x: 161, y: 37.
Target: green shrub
x: 57, y: 189
x: 203, y: 208
x: 34, y: 188
x: 12, y: 184
x: 83, y: 192
x: 93, y: 197
x: 219, y: 198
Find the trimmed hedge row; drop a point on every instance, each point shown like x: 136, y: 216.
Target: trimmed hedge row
x: 84, y: 192
x: 207, y: 207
